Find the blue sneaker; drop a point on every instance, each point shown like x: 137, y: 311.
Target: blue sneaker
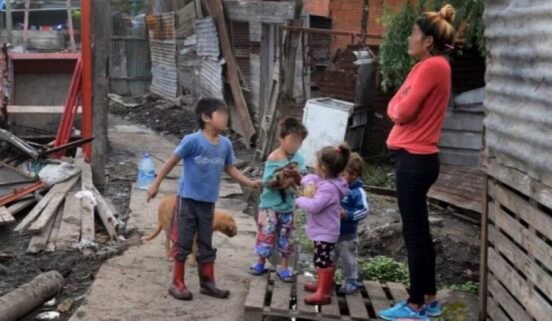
x: 433, y: 309
x: 348, y: 288
x: 403, y: 310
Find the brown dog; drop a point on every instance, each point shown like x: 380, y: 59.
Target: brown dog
x: 222, y: 222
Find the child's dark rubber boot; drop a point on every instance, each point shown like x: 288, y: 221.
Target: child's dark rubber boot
x: 207, y: 281
x: 178, y: 289
x: 322, y: 296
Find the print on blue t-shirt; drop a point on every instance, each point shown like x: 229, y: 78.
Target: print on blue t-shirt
x: 204, y: 163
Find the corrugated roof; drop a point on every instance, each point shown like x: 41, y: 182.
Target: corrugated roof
x: 518, y: 101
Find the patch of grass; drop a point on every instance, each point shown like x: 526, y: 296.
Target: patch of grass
x: 379, y: 174
x: 468, y: 287
x: 301, y: 238
x: 455, y: 312
x: 383, y: 269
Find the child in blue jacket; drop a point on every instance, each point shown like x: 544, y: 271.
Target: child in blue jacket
x: 354, y: 208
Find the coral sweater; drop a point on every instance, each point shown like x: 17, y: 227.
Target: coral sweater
x: 418, y: 108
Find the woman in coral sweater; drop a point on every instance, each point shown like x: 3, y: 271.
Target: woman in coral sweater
x: 418, y: 112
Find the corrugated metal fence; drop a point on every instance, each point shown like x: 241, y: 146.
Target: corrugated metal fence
x: 130, y: 66
x: 517, y: 218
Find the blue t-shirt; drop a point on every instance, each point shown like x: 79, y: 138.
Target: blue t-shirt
x: 204, y: 163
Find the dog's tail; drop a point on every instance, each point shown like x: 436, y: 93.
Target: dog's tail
x: 153, y: 235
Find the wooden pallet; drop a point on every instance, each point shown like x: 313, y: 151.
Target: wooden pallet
x: 270, y: 297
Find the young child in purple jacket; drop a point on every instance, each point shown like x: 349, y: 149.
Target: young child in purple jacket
x: 323, y: 217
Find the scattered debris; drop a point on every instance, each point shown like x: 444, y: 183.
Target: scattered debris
x: 50, y: 315
x: 27, y: 297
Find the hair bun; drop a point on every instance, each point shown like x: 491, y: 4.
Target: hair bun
x: 447, y: 12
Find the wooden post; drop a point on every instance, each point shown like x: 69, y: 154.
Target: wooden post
x: 291, y: 50
x: 484, y: 252
x: 26, y: 24
x: 9, y: 21
x: 245, y: 125
x: 101, y: 38
x: 72, y: 45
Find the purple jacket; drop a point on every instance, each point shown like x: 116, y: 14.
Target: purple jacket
x: 323, y: 217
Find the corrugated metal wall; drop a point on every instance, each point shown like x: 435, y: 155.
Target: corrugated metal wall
x: 517, y: 218
x: 163, y: 54
x: 130, y: 66
x: 519, y: 77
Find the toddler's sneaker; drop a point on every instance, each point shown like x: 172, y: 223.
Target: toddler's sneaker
x: 404, y: 311
x: 433, y: 309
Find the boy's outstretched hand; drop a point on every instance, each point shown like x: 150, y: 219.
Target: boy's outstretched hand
x: 257, y: 184
x: 152, y: 192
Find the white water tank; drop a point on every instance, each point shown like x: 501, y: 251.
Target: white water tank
x: 326, y: 120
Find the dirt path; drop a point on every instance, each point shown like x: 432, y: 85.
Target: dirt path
x: 134, y: 285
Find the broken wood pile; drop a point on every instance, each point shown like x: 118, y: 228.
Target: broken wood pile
x: 63, y: 216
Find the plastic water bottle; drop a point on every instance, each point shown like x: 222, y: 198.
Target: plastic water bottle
x: 146, y: 172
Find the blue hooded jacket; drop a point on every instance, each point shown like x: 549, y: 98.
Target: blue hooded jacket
x: 356, y: 206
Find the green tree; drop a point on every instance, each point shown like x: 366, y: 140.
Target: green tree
x: 393, y: 57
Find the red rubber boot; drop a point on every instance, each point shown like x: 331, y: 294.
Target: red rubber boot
x: 178, y: 289
x: 322, y: 296
x: 207, y: 281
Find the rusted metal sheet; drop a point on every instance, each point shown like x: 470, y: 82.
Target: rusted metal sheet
x: 519, y: 82
x: 161, y: 27
x: 208, y: 44
x: 460, y: 186
x: 163, y: 54
x: 185, y: 19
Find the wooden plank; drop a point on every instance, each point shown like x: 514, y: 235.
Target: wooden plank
x: 303, y: 309
x: 484, y: 241
x: 69, y: 231
x: 503, y: 298
x: 377, y: 296
x: 536, y: 246
x: 14, y: 109
x: 254, y: 301
x: 106, y: 215
x: 33, y: 214
x: 534, y: 273
x: 245, y: 126
x: 357, y: 308
x: 49, y: 212
x: 20, y: 206
x: 5, y: 216
x: 331, y: 311
x: 539, y: 220
x: 398, y: 291
x: 280, y: 297
x: 495, y: 312
x: 259, y: 11
x: 536, y: 306
x: 87, y: 219
x: 51, y: 244
x: 39, y: 241
x: 519, y: 181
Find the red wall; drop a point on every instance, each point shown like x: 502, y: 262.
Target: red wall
x: 347, y: 15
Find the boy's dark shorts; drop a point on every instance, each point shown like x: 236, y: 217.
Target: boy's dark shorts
x: 191, y: 217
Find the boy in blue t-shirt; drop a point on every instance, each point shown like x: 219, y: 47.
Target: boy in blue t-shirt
x: 206, y: 154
